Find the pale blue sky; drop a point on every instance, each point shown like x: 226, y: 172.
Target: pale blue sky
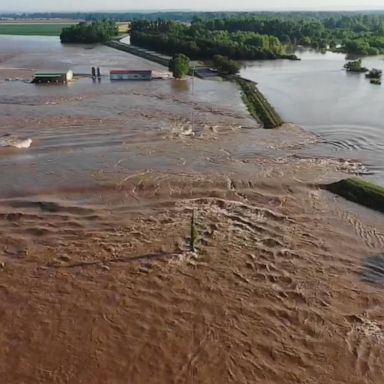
x: 80, y: 5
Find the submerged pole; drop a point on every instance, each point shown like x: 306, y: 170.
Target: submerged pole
x: 193, y: 94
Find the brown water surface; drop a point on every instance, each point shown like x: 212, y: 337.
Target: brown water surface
x: 98, y: 281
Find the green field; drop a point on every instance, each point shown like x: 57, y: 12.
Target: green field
x: 32, y: 29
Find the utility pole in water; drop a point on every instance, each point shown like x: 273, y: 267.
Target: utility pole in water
x: 193, y: 93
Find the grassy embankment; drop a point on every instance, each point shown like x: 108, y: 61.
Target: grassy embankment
x: 258, y: 105
x: 151, y: 56
x: 32, y: 29
x: 359, y: 191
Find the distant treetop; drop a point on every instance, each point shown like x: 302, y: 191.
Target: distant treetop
x: 93, y: 32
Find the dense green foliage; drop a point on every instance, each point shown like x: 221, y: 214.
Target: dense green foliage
x: 374, y: 74
x: 95, y: 32
x: 354, y: 33
x: 355, y: 66
x: 179, y: 66
x: 359, y: 191
x: 32, y: 29
x: 263, y: 36
x: 375, y: 81
x: 201, y: 43
x: 258, y: 105
x: 225, y: 65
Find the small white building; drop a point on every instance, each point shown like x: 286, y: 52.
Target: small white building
x: 131, y: 75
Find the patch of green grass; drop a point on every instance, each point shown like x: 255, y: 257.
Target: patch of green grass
x: 32, y: 29
x: 258, y: 106
x: 359, y: 191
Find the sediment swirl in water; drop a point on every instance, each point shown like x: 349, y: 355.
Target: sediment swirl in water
x: 98, y: 280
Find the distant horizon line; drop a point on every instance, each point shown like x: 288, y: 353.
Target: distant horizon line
x: 197, y: 10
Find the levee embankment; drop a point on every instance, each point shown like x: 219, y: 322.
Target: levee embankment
x: 258, y: 106
x: 149, y: 55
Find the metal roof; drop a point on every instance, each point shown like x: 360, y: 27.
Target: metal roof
x: 129, y: 72
x: 50, y: 74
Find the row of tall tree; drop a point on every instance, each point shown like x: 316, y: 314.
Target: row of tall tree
x: 203, y: 43
x: 338, y: 19
x: 94, y: 32
x: 354, y: 33
x: 263, y: 36
x: 226, y: 66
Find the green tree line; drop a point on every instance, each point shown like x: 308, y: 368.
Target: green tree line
x: 342, y: 18
x: 353, y: 33
x: 202, y: 43
x: 263, y: 36
x: 94, y: 32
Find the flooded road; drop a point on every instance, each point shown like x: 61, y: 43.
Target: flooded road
x: 343, y: 109
x: 98, y: 278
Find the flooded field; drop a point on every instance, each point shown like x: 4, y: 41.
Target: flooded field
x: 343, y: 109
x: 98, y: 279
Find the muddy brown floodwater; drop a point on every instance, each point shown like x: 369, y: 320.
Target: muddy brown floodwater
x: 97, y: 281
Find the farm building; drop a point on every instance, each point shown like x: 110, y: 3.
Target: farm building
x: 52, y: 77
x: 131, y: 75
